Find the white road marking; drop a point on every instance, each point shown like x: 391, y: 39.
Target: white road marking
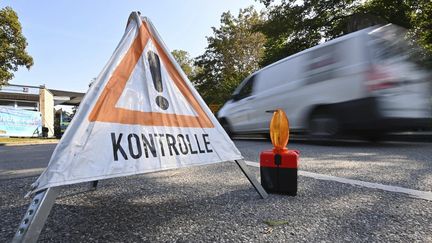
x: 410, y: 192
x: 9, y: 174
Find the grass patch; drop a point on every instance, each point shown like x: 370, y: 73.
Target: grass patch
x: 273, y: 223
x: 6, y: 141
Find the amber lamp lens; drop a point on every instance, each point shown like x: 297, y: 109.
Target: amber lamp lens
x: 279, y: 130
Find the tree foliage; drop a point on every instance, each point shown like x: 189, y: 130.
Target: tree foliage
x: 293, y: 26
x: 421, y: 20
x: 233, y: 52
x: 185, y: 61
x: 12, y: 45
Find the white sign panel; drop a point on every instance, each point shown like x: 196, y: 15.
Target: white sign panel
x: 141, y: 115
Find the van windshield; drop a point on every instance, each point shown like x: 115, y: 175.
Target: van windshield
x: 245, y: 89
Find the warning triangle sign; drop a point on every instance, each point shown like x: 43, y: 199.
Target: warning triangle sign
x: 143, y: 98
x: 141, y: 115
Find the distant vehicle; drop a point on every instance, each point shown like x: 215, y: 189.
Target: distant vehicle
x: 366, y: 82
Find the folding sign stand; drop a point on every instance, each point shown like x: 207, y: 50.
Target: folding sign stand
x: 133, y: 52
x: 93, y: 185
x: 42, y: 202
x: 252, y: 179
x: 36, y: 215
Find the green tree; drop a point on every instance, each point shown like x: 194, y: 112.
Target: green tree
x: 12, y: 45
x: 421, y: 19
x: 233, y: 52
x: 293, y: 26
x: 185, y: 61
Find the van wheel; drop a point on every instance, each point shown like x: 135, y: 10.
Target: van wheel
x: 373, y: 137
x: 323, y: 125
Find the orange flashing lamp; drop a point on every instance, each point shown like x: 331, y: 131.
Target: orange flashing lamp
x: 279, y: 130
x: 279, y: 166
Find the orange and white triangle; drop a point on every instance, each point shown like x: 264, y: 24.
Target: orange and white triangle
x: 146, y: 50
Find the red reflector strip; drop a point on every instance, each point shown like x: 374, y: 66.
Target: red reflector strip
x: 379, y: 86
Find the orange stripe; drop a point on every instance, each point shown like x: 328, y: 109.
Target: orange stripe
x: 105, y: 110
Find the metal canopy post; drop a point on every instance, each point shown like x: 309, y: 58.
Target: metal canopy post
x: 252, y: 179
x: 36, y: 215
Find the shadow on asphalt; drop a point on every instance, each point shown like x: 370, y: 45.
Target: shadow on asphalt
x: 390, y: 141
x: 163, y: 207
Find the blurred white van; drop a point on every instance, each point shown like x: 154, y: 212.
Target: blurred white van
x: 366, y: 82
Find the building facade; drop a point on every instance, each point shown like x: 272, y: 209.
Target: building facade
x: 37, y: 99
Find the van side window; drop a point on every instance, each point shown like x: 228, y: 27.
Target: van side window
x: 323, y: 64
x: 246, y: 90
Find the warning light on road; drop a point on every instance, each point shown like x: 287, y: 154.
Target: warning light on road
x: 279, y: 166
x: 279, y: 130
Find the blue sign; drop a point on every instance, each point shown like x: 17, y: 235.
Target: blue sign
x: 19, y: 123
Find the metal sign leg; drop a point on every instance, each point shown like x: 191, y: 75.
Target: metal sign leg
x: 36, y: 215
x: 252, y: 179
x: 93, y: 185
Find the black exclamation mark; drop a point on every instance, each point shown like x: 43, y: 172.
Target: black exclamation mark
x: 155, y: 70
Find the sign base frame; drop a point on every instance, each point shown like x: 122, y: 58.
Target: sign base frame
x: 42, y: 202
x: 36, y: 215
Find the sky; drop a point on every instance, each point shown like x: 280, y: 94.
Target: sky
x: 71, y: 41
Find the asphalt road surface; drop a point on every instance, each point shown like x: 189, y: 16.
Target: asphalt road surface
x: 216, y: 203
x: 394, y: 163
x: 24, y: 160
